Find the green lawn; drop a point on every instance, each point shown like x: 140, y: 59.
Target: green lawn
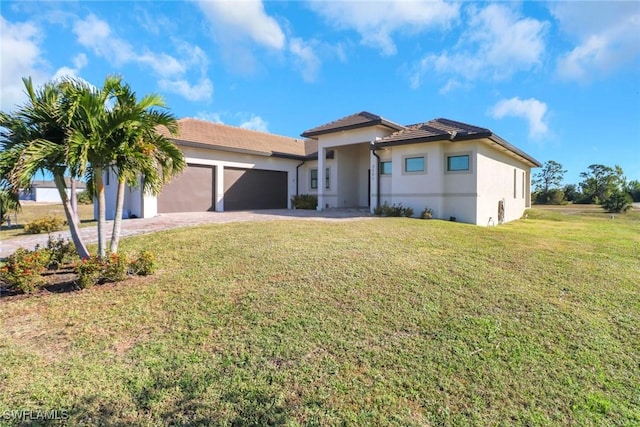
x: 388, y: 321
x: 31, y: 211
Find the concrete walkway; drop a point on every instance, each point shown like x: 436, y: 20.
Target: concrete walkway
x: 132, y: 227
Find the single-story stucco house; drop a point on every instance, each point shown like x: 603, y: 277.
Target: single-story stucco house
x: 46, y: 191
x: 363, y: 160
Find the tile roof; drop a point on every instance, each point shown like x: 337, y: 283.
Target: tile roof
x: 354, y: 121
x: 434, y: 130
x: 230, y: 138
x: 445, y: 129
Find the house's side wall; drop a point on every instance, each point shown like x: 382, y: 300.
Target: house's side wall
x: 110, y: 193
x: 460, y: 188
x: 501, y: 177
x: 447, y: 195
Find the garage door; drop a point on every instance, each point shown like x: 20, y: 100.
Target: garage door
x: 192, y: 191
x: 254, y: 189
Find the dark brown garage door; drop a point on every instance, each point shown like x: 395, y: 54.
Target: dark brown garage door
x: 192, y: 191
x: 254, y: 189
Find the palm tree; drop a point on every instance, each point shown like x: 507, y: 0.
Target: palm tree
x: 33, y: 139
x: 92, y: 127
x: 139, y: 151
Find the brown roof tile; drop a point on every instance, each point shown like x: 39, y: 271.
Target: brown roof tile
x: 445, y: 129
x: 354, y: 121
x: 237, y: 139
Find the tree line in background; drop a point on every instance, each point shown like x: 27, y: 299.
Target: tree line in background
x: 69, y: 128
x: 602, y: 185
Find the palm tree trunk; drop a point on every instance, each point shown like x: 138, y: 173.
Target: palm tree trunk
x: 117, y: 221
x: 74, y: 227
x: 74, y: 199
x: 102, y: 215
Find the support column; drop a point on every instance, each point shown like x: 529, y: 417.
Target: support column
x: 321, y: 158
x: 373, y: 184
x: 219, y: 190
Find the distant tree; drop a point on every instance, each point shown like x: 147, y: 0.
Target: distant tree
x: 633, y: 188
x: 571, y: 193
x: 547, y: 182
x: 619, y: 201
x: 600, y: 182
x: 549, y: 177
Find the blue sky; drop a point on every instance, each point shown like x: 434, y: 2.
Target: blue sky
x: 560, y: 80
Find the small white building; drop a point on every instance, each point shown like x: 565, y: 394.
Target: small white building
x: 47, y: 192
x: 363, y: 160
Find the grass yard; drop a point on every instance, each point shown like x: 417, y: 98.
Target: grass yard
x: 389, y: 321
x: 32, y: 211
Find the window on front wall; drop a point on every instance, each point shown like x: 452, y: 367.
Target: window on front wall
x: 314, y: 179
x: 458, y: 163
x: 385, y: 168
x: 515, y: 183
x: 414, y: 164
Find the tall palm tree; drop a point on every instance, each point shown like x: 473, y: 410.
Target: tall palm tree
x: 92, y: 128
x: 139, y: 151
x: 33, y: 139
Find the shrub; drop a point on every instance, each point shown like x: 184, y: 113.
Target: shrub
x: 144, y: 265
x: 393, y: 210
x: 90, y: 271
x: 84, y: 198
x: 46, y: 224
x: 427, y: 213
x: 115, y: 268
x: 618, y: 202
x: 304, y: 201
x: 23, y: 269
x: 61, y: 251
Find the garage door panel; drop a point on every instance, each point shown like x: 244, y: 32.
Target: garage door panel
x: 254, y: 189
x: 192, y: 191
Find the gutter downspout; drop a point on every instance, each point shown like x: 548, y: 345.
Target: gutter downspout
x: 297, y: 176
x: 373, y: 150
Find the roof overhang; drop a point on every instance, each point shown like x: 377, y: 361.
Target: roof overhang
x: 376, y: 122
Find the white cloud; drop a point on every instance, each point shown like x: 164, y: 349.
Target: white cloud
x: 244, y: 19
x: 242, y: 120
x: 21, y: 57
x: 607, y: 37
x: 377, y: 21
x: 96, y: 34
x: 79, y: 62
x: 497, y: 43
x: 255, y: 123
x: 532, y: 110
x: 306, y: 59
x: 201, y: 91
x: 210, y: 117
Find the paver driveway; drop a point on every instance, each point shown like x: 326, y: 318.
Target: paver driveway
x: 131, y: 227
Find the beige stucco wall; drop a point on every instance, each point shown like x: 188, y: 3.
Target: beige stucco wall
x: 147, y: 206
x: 469, y: 196
x: 496, y: 182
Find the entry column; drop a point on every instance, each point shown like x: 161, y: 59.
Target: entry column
x: 219, y: 190
x: 321, y: 172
